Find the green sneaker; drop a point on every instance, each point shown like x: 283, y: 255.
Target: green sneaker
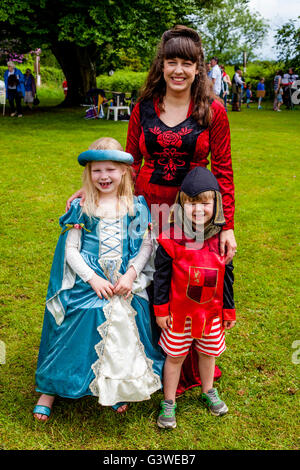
x: 166, y: 418
x: 215, y: 405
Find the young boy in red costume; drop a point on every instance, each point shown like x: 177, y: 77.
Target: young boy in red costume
x: 193, y: 293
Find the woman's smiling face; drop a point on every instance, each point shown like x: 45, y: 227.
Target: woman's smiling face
x: 179, y: 74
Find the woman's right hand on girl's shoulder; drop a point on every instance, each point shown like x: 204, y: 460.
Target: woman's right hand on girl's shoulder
x: 81, y: 194
x: 101, y: 286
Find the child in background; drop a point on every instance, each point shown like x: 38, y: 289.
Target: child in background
x: 193, y: 294
x: 30, y: 88
x: 97, y: 337
x: 279, y: 98
x: 260, y: 93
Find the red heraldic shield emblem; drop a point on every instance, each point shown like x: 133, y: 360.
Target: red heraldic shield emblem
x: 202, y: 284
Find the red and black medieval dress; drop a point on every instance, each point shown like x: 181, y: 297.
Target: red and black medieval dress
x: 163, y: 156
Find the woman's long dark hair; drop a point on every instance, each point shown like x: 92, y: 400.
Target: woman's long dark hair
x: 185, y: 43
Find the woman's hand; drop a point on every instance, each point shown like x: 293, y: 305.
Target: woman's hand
x: 228, y: 324
x: 163, y: 322
x: 124, y: 285
x: 228, y: 245
x: 101, y: 286
x: 80, y: 193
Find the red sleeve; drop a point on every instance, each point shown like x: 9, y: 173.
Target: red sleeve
x: 221, y: 166
x: 162, y: 310
x: 229, y: 314
x: 133, y: 138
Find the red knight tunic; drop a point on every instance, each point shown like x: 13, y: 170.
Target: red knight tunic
x: 196, y: 287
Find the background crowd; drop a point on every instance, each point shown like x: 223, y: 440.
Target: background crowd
x: 284, y: 85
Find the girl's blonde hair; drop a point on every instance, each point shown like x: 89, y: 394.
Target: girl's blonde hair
x: 125, y: 189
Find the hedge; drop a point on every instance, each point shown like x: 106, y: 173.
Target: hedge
x: 49, y: 75
x: 122, y: 81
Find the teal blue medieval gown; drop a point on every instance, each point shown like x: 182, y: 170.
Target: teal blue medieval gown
x: 93, y: 346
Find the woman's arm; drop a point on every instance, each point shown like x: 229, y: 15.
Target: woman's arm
x: 221, y: 165
x: 79, y: 194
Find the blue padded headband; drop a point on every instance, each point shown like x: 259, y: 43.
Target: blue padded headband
x: 105, y: 155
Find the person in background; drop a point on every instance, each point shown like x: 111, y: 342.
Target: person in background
x: 277, y: 87
x: 279, y: 99
x: 15, y: 89
x: 292, y: 77
x: 30, y: 88
x: 226, y: 82
x: 216, y: 76
x: 260, y: 92
x: 237, y: 84
x: 65, y: 87
x: 248, y: 94
x: 208, y: 69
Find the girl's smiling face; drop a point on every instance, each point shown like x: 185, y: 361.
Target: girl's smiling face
x: 106, y: 176
x: 179, y: 74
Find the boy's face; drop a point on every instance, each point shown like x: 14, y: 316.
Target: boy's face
x: 199, y: 213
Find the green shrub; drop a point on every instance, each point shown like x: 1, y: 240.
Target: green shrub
x: 49, y: 75
x: 122, y: 81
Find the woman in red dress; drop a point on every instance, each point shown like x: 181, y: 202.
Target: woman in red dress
x: 174, y: 126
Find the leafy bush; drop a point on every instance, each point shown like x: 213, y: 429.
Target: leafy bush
x: 122, y: 81
x: 49, y: 75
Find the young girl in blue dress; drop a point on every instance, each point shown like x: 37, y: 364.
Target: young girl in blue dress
x: 97, y: 337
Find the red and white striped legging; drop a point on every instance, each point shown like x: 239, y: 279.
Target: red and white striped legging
x: 178, y: 344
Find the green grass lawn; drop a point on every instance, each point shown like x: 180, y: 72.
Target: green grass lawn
x: 39, y: 171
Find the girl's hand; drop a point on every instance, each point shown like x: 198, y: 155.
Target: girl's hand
x: 228, y: 324
x: 227, y: 245
x: 124, y: 285
x: 81, y: 194
x: 163, y: 322
x: 101, y: 286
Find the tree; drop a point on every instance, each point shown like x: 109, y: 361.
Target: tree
x: 230, y: 30
x: 287, y: 43
x: 81, y: 32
